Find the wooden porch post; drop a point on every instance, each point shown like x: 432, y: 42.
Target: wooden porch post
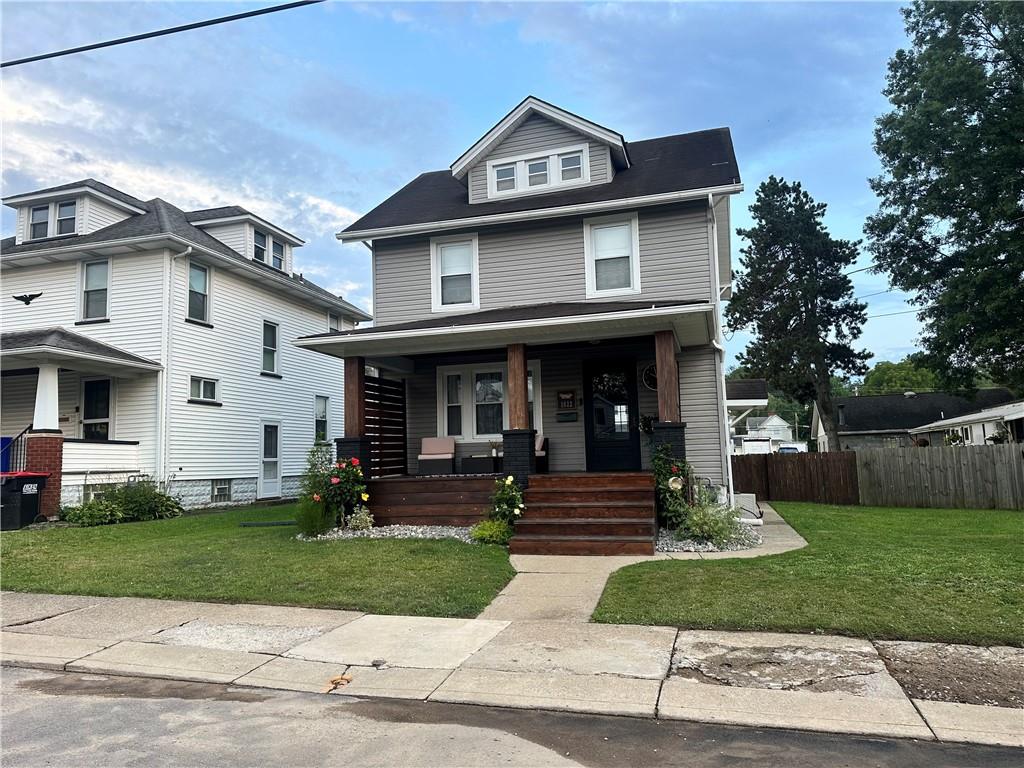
x: 355, y: 397
x: 518, y: 405
x: 668, y: 376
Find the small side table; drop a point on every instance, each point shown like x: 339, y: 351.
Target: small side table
x: 481, y: 464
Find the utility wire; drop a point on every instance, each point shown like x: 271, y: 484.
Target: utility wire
x: 160, y: 32
x: 904, y: 312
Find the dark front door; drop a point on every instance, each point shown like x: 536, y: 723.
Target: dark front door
x: 610, y: 408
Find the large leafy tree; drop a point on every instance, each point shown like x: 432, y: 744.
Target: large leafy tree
x: 887, y: 378
x: 793, y: 293
x: 950, y: 226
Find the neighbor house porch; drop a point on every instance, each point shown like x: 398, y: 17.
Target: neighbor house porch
x: 82, y: 412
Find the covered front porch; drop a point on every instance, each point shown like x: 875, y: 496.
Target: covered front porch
x: 76, y: 410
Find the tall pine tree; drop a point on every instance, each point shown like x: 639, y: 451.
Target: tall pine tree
x: 950, y: 226
x: 794, y: 294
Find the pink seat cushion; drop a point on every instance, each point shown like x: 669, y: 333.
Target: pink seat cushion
x: 441, y: 447
x: 436, y: 456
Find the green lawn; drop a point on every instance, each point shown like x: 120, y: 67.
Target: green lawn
x: 916, y: 574
x: 209, y: 557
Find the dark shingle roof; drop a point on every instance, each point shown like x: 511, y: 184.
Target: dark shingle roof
x: 225, y: 211
x: 746, y: 389
x: 63, y: 339
x: 510, y: 314
x: 667, y: 164
x: 99, y: 186
x: 875, y: 413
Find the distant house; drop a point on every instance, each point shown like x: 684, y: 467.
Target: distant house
x: 773, y: 427
x: 887, y: 421
x: 998, y: 424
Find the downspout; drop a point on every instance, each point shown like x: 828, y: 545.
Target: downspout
x: 724, y: 411
x: 163, y: 440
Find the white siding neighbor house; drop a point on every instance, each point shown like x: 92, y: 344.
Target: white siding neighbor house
x: 153, y: 342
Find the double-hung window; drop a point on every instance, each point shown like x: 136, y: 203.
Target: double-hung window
x: 66, y: 218
x: 454, y: 273
x: 203, y: 389
x: 198, y: 293
x: 473, y: 401
x: 528, y: 174
x: 333, y: 321
x: 39, y: 222
x: 270, y: 347
x: 259, y: 246
x: 537, y: 172
x: 612, y: 252
x: 277, y: 255
x: 571, y: 166
x: 505, y: 178
x: 95, y: 289
x: 321, y: 407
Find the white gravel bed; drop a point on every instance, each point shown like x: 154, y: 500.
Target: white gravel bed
x: 748, y: 539
x: 458, y: 532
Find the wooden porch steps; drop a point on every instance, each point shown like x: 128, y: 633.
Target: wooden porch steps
x: 587, y: 514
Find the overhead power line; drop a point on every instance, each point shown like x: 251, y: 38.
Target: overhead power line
x: 160, y: 32
x: 904, y: 312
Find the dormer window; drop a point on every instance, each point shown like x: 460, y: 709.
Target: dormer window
x: 39, y: 222
x: 530, y: 174
x: 261, y: 242
x: 66, y: 218
x: 52, y: 220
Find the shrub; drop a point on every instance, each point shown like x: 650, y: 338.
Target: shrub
x: 95, y: 512
x: 507, y: 501
x: 491, y: 532
x: 143, y: 501
x: 713, y: 523
x: 360, y: 519
x: 673, y: 482
x: 313, y: 518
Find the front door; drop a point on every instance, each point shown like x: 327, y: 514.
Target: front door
x: 611, y: 415
x: 96, y: 409
x: 270, y: 460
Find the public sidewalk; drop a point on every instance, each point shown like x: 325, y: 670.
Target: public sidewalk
x: 809, y: 682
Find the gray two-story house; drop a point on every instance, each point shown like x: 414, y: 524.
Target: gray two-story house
x: 553, y: 299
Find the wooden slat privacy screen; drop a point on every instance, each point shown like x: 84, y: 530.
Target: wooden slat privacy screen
x: 385, y: 426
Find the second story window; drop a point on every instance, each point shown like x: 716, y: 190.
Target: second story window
x: 278, y: 255
x: 66, y: 218
x: 333, y: 322
x: 39, y: 222
x: 259, y: 251
x: 198, y: 293
x: 612, y: 249
x: 531, y: 174
x: 455, y: 273
x: 505, y: 178
x: 203, y: 389
x: 537, y: 172
x: 571, y: 166
x: 95, y: 287
x: 270, y: 347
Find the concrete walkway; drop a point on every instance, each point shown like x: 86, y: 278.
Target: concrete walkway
x: 568, y: 588
x: 807, y: 682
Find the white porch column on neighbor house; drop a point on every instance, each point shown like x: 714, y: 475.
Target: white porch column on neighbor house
x: 44, y: 418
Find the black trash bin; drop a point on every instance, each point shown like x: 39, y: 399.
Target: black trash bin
x: 19, y: 498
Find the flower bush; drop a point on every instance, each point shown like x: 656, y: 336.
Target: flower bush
x: 360, y: 519
x: 338, y: 486
x: 507, y: 501
x: 686, y: 507
x: 673, y: 481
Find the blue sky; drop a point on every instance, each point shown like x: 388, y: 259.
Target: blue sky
x: 312, y: 116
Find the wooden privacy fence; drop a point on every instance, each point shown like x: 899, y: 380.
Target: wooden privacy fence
x: 828, y: 478
x: 965, y: 477
x: 385, y: 426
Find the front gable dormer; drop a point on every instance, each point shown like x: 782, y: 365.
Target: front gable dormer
x: 539, y: 148
x: 248, y: 234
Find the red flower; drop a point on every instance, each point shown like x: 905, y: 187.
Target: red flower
x: 675, y: 469
x: 340, y: 465
x: 316, y: 497
x: 355, y: 462
x: 335, y: 480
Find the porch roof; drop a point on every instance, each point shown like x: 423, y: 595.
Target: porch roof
x: 35, y: 346
x: 549, y: 323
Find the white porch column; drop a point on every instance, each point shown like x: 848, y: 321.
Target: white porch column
x: 44, y: 418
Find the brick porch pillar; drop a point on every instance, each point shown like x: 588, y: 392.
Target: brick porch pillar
x: 44, y: 452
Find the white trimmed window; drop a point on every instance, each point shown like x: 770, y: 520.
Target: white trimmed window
x: 472, y: 402
x: 526, y: 174
x: 270, y: 345
x: 611, y: 246
x: 198, y: 292
x: 454, y: 268
x: 220, y: 491
x: 259, y: 243
x: 203, y: 389
x: 95, y: 289
x: 277, y: 255
x: 39, y: 222
x: 333, y: 321
x: 66, y: 217
x: 321, y: 425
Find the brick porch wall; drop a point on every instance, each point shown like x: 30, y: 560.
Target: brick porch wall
x: 44, y: 452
